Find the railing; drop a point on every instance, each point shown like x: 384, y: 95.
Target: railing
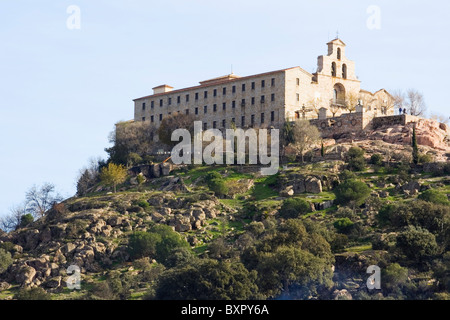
x: 337, y: 102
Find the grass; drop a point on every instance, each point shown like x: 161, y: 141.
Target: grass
x: 360, y: 248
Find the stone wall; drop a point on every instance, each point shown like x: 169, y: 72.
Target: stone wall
x: 346, y: 123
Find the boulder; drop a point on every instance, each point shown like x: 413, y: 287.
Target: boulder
x: 313, y: 185
x: 166, y: 168
x: 53, y: 283
x: 4, y: 286
x: 288, y: 192
x: 25, y: 275
x: 114, y: 221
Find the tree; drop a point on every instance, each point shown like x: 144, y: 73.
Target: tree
x: 5, y: 260
x: 113, y: 175
x: 36, y: 293
x: 25, y: 220
x: 415, y: 147
x: 351, y: 102
x: 287, y: 136
x: 305, y: 135
x: 343, y: 225
x: 315, y: 104
x: 294, y: 207
x: 376, y: 159
x: 334, y: 108
x: 208, y: 280
x: 11, y: 221
x: 128, y: 138
x: 143, y: 244
x: 352, y: 192
x: 417, y: 243
x: 415, y: 102
x: 393, y: 277
x: 355, y: 159
x: 41, y: 199
x: 322, y: 150
x: 173, y: 122
x: 399, y: 99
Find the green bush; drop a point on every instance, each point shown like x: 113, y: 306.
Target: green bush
x: 25, y: 220
x: 343, y: 225
x: 32, y: 294
x: 417, y: 243
x: 5, y: 260
x: 143, y: 244
x: 218, y: 186
x: 351, y: 192
x: 425, y: 158
x: 355, y: 159
x: 212, y: 175
x: 434, y: 196
x: 376, y: 159
x: 143, y: 204
x: 294, y: 207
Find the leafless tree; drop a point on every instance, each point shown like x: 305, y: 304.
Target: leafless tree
x: 415, y: 103
x: 351, y: 102
x: 12, y: 220
x: 440, y: 118
x: 305, y: 136
x: 399, y: 99
x: 40, y: 199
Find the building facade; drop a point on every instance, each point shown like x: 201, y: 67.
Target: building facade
x: 269, y: 99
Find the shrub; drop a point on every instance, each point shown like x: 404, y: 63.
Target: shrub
x: 143, y: 244
x: 376, y: 159
x: 355, y: 159
x: 351, y: 192
x: 347, y: 175
x: 219, y: 187
x: 343, y: 225
x: 434, y: 196
x: 417, y: 243
x: 293, y: 208
x: 425, y: 158
x: 143, y: 204
x: 5, y: 260
x: 25, y: 220
x: 32, y: 294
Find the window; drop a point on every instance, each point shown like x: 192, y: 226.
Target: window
x: 196, y: 96
x: 243, y: 103
x: 160, y: 117
x: 233, y: 104
x: 161, y: 103
x: 205, y: 109
x: 214, y: 124
x: 263, y: 99
x: 143, y: 118
x: 233, y: 89
x: 233, y: 120
x: 152, y: 104
x: 152, y: 119
x: 143, y: 106
x: 187, y: 111
x: 170, y: 101
x: 205, y: 126
x: 215, y: 93
x: 243, y: 121
x: 224, y: 106
x: 243, y: 87
x: 298, y: 96
x: 252, y: 119
x: 253, y: 85
x: 253, y: 100
x: 179, y: 99
x: 339, y: 53
x: 333, y: 69
x: 224, y: 91
x: 262, y: 117
x: 272, y: 82
x: 196, y: 111
x: 223, y: 123
x: 272, y: 116
x: 187, y: 98
x: 205, y: 94
x: 272, y: 97
x: 263, y: 83
x: 298, y: 81
x: 344, y: 71
x: 215, y: 107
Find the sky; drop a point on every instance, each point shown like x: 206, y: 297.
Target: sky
x: 69, y: 70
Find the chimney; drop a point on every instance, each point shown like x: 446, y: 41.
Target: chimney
x: 162, y: 89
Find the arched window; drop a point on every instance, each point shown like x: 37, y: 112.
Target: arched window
x: 344, y: 71
x: 333, y: 69
x: 339, y: 53
x: 335, y: 95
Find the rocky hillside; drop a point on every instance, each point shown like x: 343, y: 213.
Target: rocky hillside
x: 94, y: 232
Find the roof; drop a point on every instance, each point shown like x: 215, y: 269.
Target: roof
x: 214, y: 83
x: 337, y: 40
x: 163, y: 86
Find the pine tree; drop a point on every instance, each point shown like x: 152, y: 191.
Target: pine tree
x: 322, y: 150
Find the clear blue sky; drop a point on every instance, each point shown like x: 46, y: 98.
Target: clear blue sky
x: 61, y: 90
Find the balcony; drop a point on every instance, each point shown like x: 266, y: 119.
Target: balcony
x: 338, y: 102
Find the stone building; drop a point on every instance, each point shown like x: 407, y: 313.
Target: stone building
x: 269, y: 99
